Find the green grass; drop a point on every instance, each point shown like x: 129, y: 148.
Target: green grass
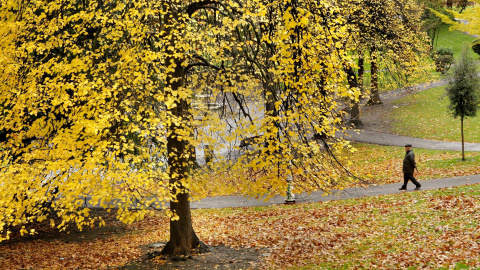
x: 382, y: 164
x: 425, y: 115
x: 455, y: 40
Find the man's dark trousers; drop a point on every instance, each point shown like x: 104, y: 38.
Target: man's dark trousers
x: 409, y: 176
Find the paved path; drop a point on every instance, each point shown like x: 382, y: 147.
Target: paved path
x: 380, y: 138
x: 239, y: 201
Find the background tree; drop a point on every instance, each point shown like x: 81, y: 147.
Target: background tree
x: 476, y: 46
x: 431, y: 23
x: 387, y: 36
x: 463, y: 91
x: 470, y: 15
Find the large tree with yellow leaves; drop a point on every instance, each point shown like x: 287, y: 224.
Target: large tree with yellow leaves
x: 102, y: 101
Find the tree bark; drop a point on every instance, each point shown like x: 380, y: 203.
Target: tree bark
x: 463, y: 141
x: 355, y: 112
x: 374, y: 95
x: 182, y: 236
x: 449, y: 4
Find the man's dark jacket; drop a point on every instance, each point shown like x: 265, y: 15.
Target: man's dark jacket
x: 409, y: 162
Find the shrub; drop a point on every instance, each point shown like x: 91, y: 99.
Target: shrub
x: 443, y: 59
x: 444, y: 51
x: 476, y: 46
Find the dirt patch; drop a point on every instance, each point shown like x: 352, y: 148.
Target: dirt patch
x: 377, y: 117
x: 219, y: 257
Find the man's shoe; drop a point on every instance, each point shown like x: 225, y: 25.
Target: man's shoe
x: 402, y: 188
x: 417, y: 188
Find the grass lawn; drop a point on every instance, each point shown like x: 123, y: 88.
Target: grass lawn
x: 416, y: 230
x: 424, y: 115
x: 454, y: 40
x: 383, y: 164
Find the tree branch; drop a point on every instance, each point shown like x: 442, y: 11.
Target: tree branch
x: 204, y: 62
x: 199, y: 5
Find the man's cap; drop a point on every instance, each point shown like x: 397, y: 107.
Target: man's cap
x: 408, y: 145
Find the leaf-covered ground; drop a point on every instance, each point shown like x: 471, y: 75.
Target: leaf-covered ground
x: 416, y: 230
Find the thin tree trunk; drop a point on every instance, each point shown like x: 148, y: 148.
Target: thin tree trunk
x: 355, y: 108
x: 463, y: 140
x: 361, y: 70
x: 449, y: 4
x: 374, y: 94
x: 355, y: 113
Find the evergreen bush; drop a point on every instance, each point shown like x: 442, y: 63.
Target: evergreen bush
x: 476, y: 46
x: 443, y: 59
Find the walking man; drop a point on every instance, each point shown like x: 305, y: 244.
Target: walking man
x: 409, y: 167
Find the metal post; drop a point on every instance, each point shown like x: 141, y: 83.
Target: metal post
x: 290, y: 196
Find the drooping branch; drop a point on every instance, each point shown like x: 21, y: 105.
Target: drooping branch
x: 192, y: 8
x: 204, y: 63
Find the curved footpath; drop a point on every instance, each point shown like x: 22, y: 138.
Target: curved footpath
x: 366, y: 136
x: 240, y: 201
x: 375, y: 137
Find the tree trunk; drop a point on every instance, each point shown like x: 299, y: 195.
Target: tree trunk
x: 449, y: 4
x: 355, y: 113
x: 355, y: 116
x: 270, y: 99
x: 374, y: 95
x: 463, y: 141
x: 182, y: 236
x: 361, y: 70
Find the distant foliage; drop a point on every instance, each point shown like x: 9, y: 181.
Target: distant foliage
x: 470, y: 14
x: 444, y: 51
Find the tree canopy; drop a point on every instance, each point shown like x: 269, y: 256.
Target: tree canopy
x: 101, y: 102
x: 470, y: 19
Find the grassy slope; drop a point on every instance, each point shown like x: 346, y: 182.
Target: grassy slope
x: 454, y: 40
x: 383, y: 164
x: 425, y: 115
